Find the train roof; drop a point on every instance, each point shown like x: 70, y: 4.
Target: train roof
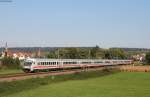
x: 44, y: 59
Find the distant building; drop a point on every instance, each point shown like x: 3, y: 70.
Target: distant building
x: 139, y: 57
x: 21, y: 55
x: 15, y: 54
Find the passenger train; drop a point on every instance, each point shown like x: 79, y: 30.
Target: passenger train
x: 35, y: 64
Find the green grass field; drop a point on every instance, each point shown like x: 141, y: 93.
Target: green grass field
x: 10, y: 71
x: 122, y: 84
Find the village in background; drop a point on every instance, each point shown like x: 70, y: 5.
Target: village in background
x: 22, y: 53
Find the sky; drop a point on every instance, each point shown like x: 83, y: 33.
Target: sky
x: 56, y: 23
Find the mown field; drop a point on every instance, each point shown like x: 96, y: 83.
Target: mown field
x: 95, y: 84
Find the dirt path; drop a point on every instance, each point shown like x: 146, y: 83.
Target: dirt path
x: 135, y: 68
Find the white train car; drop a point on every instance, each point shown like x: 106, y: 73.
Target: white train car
x: 42, y: 64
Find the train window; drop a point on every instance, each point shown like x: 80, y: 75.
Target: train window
x: 74, y: 62
x: 86, y: 62
x: 83, y: 62
x: 114, y: 61
x: 98, y: 62
x: 107, y: 61
x: 38, y: 63
x: 28, y: 63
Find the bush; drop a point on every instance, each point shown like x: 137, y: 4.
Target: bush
x: 148, y: 58
x: 8, y: 62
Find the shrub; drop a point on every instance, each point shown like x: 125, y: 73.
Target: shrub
x: 8, y: 62
x: 148, y: 58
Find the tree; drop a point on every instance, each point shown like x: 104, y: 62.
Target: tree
x: 83, y: 53
x: 115, y: 54
x: 9, y: 62
x: 107, y: 54
x: 94, y: 51
x: 72, y: 53
x: 52, y: 55
x: 147, y: 57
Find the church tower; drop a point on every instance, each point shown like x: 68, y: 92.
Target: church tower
x: 6, y: 50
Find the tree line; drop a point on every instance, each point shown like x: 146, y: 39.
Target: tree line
x: 88, y: 53
x: 77, y: 53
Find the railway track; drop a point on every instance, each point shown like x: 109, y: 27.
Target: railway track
x: 22, y: 76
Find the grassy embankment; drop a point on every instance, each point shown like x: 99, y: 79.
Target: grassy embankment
x: 7, y: 88
x: 97, y: 84
x: 10, y: 71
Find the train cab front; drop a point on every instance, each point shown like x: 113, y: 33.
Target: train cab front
x: 27, y: 66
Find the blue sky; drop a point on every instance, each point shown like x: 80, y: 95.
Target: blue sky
x: 107, y: 23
